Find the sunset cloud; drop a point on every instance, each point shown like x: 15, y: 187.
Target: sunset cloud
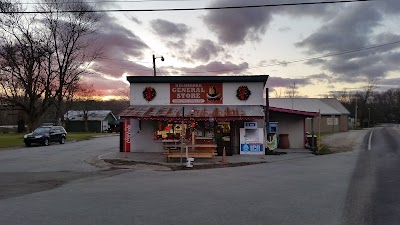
x: 216, y: 67
x: 359, y: 23
x: 248, y: 41
x: 166, y: 29
x: 205, y: 50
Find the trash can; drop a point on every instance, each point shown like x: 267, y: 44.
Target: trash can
x: 284, y: 141
x: 310, y: 140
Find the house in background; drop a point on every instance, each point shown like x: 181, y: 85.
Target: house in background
x: 289, y: 122
x: 98, y: 120
x: 344, y: 118
x: 295, y: 116
x: 334, y: 116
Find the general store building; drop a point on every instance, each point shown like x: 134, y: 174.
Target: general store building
x: 173, y: 108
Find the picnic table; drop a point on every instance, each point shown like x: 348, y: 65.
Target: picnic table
x: 173, y: 150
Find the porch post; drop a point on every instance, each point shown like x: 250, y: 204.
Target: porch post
x: 266, y: 111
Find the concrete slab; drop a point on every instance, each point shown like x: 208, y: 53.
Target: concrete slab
x: 160, y: 158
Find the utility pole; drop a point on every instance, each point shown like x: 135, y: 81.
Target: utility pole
x: 355, y: 116
x: 369, y: 116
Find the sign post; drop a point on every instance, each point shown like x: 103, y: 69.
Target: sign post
x: 196, y: 93
x: 127, y: 136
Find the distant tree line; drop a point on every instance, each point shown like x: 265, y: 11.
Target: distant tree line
x: 372, y: 106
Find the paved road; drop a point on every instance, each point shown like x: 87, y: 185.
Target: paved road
x: 357, y: 187
x: 57, y: 157
x: 300, y: 191
x: 374, y: 193
x: 29, y: 170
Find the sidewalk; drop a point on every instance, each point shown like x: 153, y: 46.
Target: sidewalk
x: 337, y: 142
x: 160, y: 158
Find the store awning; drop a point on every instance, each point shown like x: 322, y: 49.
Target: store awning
x: 221, y: 113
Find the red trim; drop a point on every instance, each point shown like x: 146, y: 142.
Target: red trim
x: 178, y: 119
x: 304, y: 132
x: 292, y: 111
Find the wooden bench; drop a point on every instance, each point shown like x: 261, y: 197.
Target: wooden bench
x: 201, y: 151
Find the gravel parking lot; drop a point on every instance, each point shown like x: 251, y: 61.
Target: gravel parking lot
x: 344, y: 141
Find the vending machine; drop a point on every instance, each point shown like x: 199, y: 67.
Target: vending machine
x: 251, y: 139
x: 272, y: 137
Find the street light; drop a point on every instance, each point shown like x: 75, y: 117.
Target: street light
x: 154, y: 63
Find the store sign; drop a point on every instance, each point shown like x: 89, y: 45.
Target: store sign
x: 196, y: 93
x: 250, y: 125
x: 127, y: 135
x: 251, y: 148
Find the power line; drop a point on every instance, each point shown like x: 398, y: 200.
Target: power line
x: 333, y: 54
x: 125, y: 60
x: 190, y: 9
x: 307, y: 59
x: 110, y: 1
x: 275, y: 64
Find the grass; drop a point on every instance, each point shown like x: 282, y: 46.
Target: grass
x: 80, y: 136
x: 11, y: 140
x: 324, y: 150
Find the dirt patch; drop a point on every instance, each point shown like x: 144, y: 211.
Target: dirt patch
x: 22, y: 183
x: 125, y: 164
x: 344, y: 141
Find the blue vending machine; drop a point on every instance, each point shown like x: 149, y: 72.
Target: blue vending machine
x: 272, y: 138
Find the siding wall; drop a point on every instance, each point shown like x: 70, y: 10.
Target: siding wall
x: 328, y: 128
x: 344, y: 123
x: 290, y: 124
x: 143, y: 141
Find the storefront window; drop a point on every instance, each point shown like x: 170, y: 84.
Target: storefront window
x: 225, y: 127
x: 164, y: 130
x: 204, y: 129
x: 169, y: 131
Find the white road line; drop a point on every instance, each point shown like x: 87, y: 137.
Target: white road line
x: 100, y: 156
x: 369, y: 142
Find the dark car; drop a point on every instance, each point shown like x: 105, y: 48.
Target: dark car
x: 46, y: 134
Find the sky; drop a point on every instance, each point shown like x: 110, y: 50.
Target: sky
x: 319, y: 49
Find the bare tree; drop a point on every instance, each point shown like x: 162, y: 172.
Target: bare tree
x: 25, y: 78
x: 124, y: 93
x: 292, y: 92
x: 343, y: 96
x: 42, y: 56
x: 278, y: 93
x: 85, y: 101
x: 365, y: 98
x: 73, y: 44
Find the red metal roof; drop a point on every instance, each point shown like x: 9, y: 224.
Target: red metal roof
x: 291, y: 111
x: 198, y: 112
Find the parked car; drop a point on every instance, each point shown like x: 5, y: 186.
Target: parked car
x: 46, y: 134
